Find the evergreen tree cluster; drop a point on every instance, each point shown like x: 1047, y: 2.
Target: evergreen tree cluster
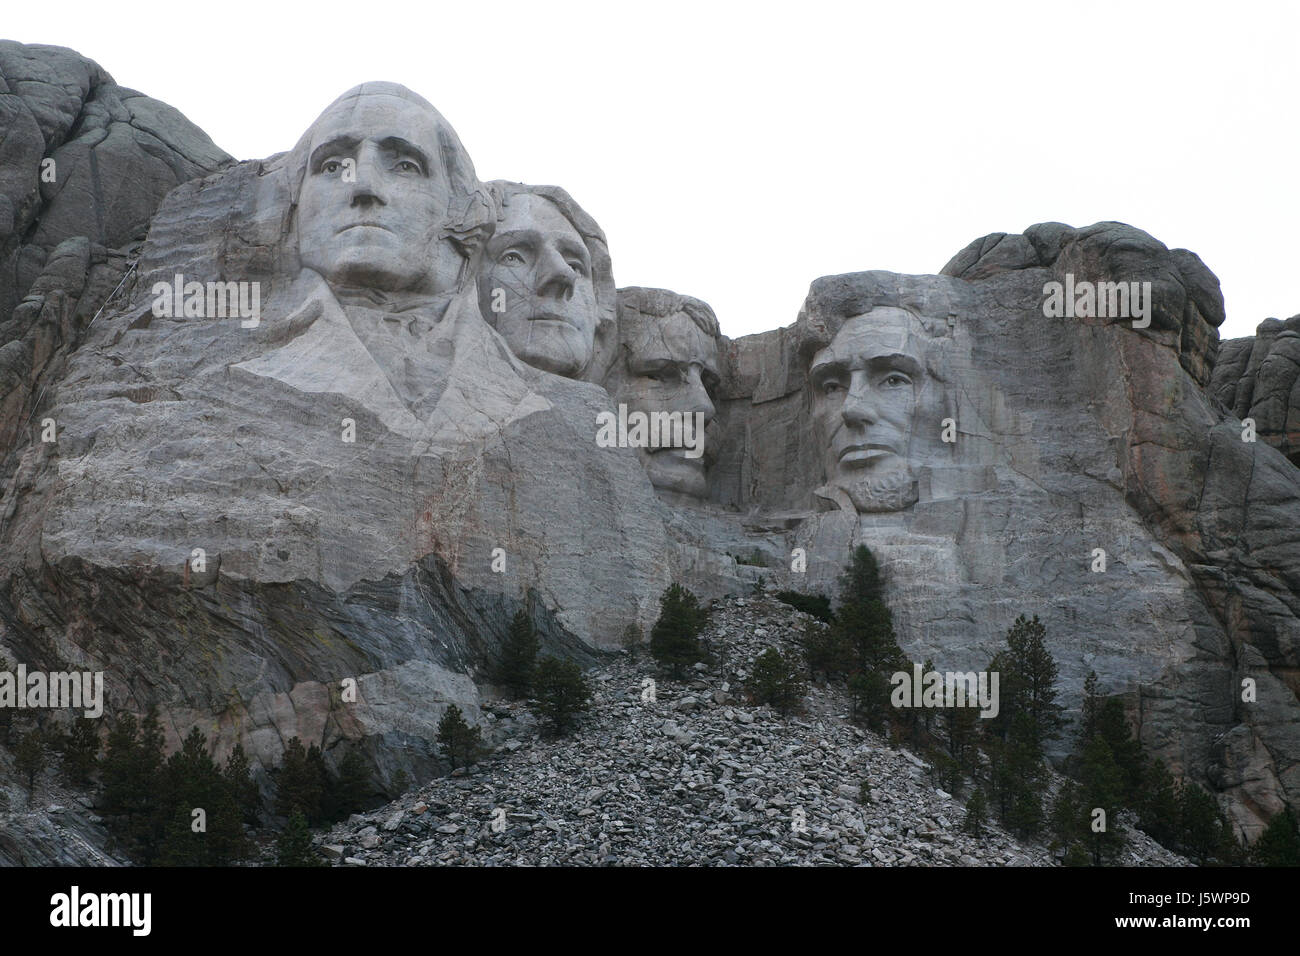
x: 461, y: 744
x: 776, y: 679
x: 555, y: 690
x: 858, y: 644
x: 1110, y: 773
x: 675, y: 637
x: 306, y: 785
x: 186, y: 810
x: 518, y: 658
x: 818, y: 605
x: 560, y: 694
x: 182, y: 810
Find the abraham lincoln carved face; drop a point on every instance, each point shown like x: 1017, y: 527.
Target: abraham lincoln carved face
x: 865, y: 385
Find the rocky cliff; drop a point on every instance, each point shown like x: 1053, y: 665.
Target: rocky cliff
x: 337, y: 419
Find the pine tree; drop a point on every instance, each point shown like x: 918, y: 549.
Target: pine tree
x: 827, y: 650
x: 119, y: 761
x: 81, y: 752
x: 194, y: 782
x: 560, y: 693
x: 239, y: 779
x: 1091, y: 708
x: 1202, y: 829
x: 1102, y: 786
x: 863, y: 629
x: 519, y: 656
x: 674, y: 639
x: 1158, y: 806
x: 861, y: 583
x: 1017, y: 777
x: 293, y: 847
x: 301, y: 782
x: 976, y: 814
x: 632, y: 640
x: 869, y: 695
x: 1076, y: 855
x: 1027, y: 684
x: 133, y: 786
x: 962, y: 725
x: 1067, y: 820
x: 774, y: 679
x: 948, y: 773
x: 29, y: 758
x: 348, y: 791
x: 1279, y: 844
x: 1112, y: 726
x: 459, y: 742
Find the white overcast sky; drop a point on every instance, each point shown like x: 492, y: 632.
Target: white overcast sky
x: 736, y: 151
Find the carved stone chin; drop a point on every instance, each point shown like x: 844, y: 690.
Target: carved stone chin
x: 892, y: 491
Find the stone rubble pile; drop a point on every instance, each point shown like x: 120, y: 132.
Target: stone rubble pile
x: 697, y: 776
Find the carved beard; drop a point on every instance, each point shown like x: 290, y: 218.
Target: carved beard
x: 892, y: 491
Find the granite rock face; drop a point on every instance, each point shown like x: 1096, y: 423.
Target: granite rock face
x: 339, y: 473
x: 1065, y: 435
x: 84, y: 164
x: 307, y: 462
x: 1258, y: 377
x: 81, y: 156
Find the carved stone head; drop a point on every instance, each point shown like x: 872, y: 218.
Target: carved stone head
x: 386, y: 196
x: 667, y: 363
x: 545, y: 283
x: 865, y: 386
x: 877, y: 352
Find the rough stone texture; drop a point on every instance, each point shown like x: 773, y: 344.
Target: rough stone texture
x: 1259, y: 377
x: 352, y: 459
x: 1072, y: 434
x: 116, y: 154
x: 84, y: 164
x: 53, y: 825
x: 697, y: 777
x: 323, y: 558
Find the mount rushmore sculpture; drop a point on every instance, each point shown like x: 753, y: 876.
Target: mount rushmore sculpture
x: 393, y: 440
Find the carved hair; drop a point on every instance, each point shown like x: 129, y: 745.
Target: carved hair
x: 662, y: 304
x: 469, y: 214
x: 833, y: 300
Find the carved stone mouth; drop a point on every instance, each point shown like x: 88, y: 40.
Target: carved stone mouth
x: 864, y: 453
x: 551, y: 317
x: 358, y: 225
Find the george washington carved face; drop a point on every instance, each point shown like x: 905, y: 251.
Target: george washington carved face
x: 865, y: 387
x: 384, y: 185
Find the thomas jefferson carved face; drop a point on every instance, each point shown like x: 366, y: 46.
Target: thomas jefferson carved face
x: 375, y: 197
x: 865, y: 387
x: 536, y: 286
x: 669, y: 365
